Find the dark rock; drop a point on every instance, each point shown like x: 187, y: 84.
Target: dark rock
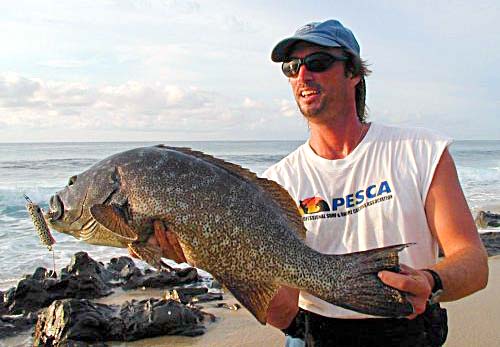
x: 186, y: 275
x: 185, y: 295
x: 83, y: 278
x: 191, y: 291
x: 117, y: 264
x: 82, y: 264
x: 491, y: 241
x: 6, y: 299
x: 128, y: 271
x: 161, y: 279
x: 39, y: 274
x: 79, y: 286
x: 72, y: 320
x: 486, y: 219
x: 11, y: 325
x: 124, y: 267
x: 156, y: 317
x: 215, y: 284
x: 207, y: 297
x: 31, y: 294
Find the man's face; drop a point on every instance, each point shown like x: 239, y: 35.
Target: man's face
x: 322, y: 95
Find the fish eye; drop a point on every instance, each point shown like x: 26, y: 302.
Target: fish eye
x: 72, y: 180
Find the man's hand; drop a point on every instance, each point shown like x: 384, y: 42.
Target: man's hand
x: 417, y: 283
x: 167, y: 241
x: 283, y: 307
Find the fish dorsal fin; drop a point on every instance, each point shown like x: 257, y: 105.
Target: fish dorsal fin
x: 255, y: 296
x: 278, y: 193
x: 110, y: 217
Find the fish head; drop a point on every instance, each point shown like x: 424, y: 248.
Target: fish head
x: 70, y: 207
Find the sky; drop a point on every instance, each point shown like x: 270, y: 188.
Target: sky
x: 168, y: 70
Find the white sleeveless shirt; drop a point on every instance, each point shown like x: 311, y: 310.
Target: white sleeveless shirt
x: 372, y: 198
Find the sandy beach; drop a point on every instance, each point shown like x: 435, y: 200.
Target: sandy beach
x: 473, y: 321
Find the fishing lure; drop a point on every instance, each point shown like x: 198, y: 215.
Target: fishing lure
x: 41, y: 226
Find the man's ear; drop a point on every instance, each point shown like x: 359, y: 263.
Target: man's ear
x: 355, y: 79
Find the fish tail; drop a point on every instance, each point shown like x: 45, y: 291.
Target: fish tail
x: 358, y: 287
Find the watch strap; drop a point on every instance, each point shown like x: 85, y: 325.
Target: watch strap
x: 438, y: 284
x: 437, y: 289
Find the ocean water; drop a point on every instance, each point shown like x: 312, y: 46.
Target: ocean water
x: 39, y: 170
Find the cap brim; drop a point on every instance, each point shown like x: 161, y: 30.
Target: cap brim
x: 282, y: 49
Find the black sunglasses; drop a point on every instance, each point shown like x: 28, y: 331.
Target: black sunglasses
x: 315, y: 62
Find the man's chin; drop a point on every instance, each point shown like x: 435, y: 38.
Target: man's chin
x: 310, y: 112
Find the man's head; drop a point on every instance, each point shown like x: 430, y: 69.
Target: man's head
x: 311, y: 45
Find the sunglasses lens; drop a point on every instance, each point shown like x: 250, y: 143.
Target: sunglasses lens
x: 291, y: 68
x: 318, y: 62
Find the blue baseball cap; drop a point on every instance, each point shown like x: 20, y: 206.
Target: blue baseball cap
x: 330, y: 33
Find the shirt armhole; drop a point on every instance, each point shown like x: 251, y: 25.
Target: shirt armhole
x: 436, y: 157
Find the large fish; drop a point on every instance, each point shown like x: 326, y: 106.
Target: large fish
x: 246, y: 231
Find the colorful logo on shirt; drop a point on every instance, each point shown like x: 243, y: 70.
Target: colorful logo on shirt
x: 312, y: 205
x: 343, y: 206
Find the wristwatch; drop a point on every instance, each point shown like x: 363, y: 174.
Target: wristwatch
x: 437, y: 290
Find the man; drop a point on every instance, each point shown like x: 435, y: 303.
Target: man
x: 374, y: 186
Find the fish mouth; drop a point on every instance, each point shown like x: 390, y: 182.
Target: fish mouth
x: 56, y: 208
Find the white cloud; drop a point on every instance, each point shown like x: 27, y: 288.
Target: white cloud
x: 50, y: 107
x: 202, y: 68
x: 65, y: 64
x: 288, y: 108
x: 251, y: 103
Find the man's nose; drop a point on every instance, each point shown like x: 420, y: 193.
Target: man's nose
x: 304, y: 74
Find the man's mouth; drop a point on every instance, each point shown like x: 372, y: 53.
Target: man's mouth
x: 308, y: 92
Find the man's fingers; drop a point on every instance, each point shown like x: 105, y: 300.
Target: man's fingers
x: 168, y: 243
x: 283, y: 307
x: 160, y: 235
x: 411, y: 281
x: 174, y: 243
x: 407, y: 282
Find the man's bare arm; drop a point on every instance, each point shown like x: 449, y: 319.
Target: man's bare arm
x: 464, y: 270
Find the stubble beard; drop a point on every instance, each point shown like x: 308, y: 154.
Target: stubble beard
x: 315, y: 110
x: 311, y: 113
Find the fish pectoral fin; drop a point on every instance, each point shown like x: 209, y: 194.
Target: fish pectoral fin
x: 149, y: 253
x: 112, y: 218
x: 254, y: 296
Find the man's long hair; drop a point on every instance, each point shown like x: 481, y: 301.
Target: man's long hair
x: 356, y: 66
